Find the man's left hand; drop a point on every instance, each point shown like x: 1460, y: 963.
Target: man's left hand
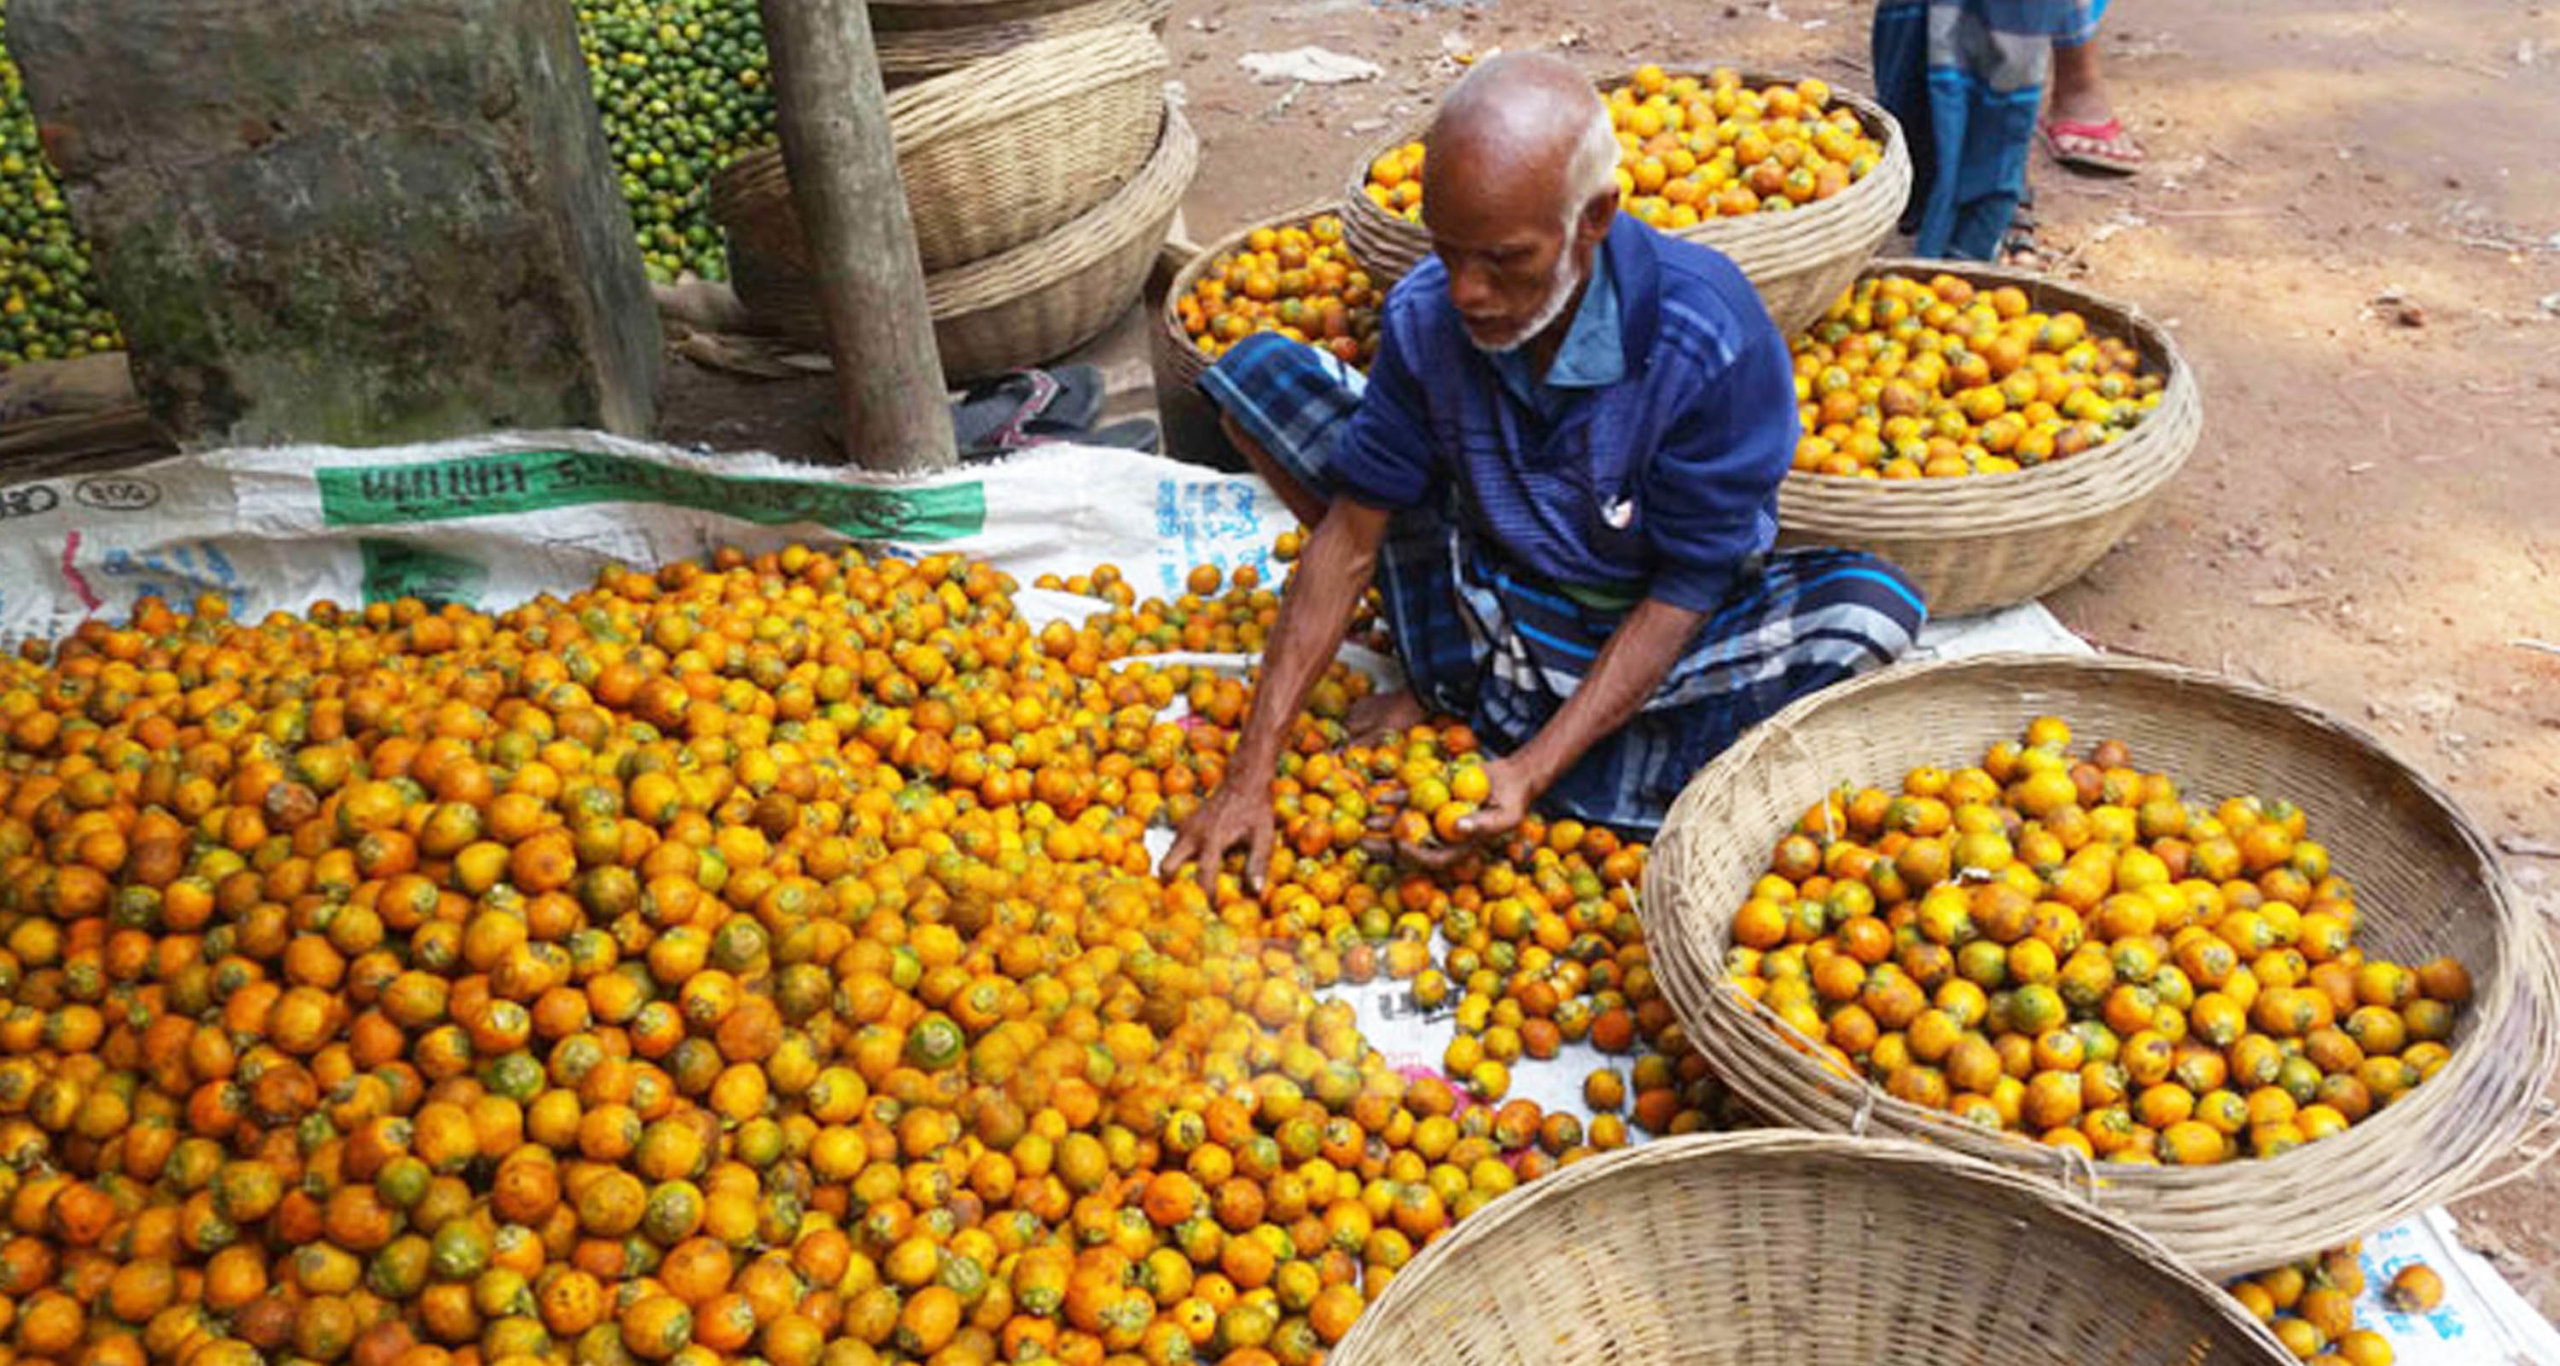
x: 1513, y: 792
x: 1512, y: 795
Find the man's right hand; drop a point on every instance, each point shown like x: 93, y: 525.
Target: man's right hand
x: 1233, y: 818
x: 1315, y: 611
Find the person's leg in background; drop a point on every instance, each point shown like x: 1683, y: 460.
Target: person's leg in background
x: 2081, y: 127
x: 1898, y: 50
x: 1966, y: 79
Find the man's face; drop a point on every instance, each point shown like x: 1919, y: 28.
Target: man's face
x: 1513, y: 260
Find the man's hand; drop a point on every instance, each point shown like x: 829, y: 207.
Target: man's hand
x: 1314, y: 615
x: 1516, y: 785
x: 1229, y: 820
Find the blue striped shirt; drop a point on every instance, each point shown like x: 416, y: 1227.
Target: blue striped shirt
x: 1662, y: 484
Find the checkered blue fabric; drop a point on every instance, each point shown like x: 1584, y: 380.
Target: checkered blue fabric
x: 1484, y: 642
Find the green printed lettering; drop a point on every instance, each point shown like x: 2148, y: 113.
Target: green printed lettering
x: 396, y: 569
x: 536, y: 481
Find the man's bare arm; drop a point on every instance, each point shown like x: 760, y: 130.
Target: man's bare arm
x: 1631, y: 666
x: 1315, y: 615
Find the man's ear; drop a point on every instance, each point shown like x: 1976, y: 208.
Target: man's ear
x: 1597, y: 214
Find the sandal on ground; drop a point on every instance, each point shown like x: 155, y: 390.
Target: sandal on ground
x: 1012, y: 411
x: 2102, y: 147
x: 2019, y: 250
x: 1022, y: 407
x: 1136, y: 434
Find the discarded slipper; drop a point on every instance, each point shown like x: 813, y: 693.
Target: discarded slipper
x: 1136, y: 434
x: 1014, y: 408
x: 2103, y: 147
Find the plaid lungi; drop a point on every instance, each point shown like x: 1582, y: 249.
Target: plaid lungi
x: 1501, y: 650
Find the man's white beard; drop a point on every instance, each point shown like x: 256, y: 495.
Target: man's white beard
x: 1559, y: 294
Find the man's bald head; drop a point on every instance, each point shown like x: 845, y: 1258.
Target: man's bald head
x: 1531, y: 121
x: 1519, y: 187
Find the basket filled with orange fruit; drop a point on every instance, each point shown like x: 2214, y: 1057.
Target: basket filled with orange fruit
x: 2211, y: 958
x: 1992, y: 433
x: 1797, y: 181
x: 1296, y: 277
x: 1799, y: 1248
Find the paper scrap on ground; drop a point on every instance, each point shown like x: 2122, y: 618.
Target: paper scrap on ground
x: 1314, y: 65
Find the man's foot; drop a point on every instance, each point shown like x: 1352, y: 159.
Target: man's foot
x: 1378, y: 713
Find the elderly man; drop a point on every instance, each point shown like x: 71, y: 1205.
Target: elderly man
x: 1563, y: 469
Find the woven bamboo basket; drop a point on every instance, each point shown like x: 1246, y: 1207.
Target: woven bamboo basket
x: 910, y: 53
x: 1034, y: 303
x: 1776, y: 1248
x: 1071, y: 119
x: 1799, y: 260
x: 2426, y: 885
x: 1180, y: 353
x: 1988, y: 541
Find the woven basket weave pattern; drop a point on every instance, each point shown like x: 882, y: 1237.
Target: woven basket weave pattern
x: 1034, y: 303
x: 1799, y: 260
x: 1791, y: 1249
x: 1986, y: 541
x: 905, y: 15
x: 2426, y: 884
x: 991, y: 157
x: 1046, y: 298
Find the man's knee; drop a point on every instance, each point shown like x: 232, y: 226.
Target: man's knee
x: 1868, y: 594
x: 1306, y: 504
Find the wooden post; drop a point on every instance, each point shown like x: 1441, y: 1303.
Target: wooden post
x: 853, y: 211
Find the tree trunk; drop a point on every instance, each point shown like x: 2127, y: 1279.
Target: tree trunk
x: 348, y: 222
x: 853, y: 210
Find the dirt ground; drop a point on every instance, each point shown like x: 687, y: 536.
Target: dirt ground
x: 2351, y: 221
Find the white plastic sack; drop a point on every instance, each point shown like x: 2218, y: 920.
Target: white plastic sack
x: 494, y: 522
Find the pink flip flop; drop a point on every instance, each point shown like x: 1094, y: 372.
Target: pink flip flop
x: 2102, y: 147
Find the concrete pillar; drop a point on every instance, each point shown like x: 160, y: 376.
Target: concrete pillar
x: 351, y: 221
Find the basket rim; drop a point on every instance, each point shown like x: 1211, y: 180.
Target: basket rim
x: 1150, y: 195
x: 2035, y: 1200
x: 918, y: 54
x: 1036, y: 74
x: 1357, y: 206
x: 1040, y: 72
x: 1168, y: 317
x: 2179, y: 387
x: 940, y: 6
x: 2513, y: 1012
